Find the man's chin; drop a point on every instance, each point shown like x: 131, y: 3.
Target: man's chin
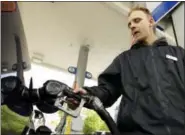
x: 139, y: 39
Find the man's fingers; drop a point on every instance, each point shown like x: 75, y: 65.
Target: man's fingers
x: 73, y: 101
x: 80, y: 90
x: 76, y: 91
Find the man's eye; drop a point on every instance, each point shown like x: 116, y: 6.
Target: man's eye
x: 137, y: 20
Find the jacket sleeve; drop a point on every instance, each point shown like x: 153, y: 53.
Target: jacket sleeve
x: 109, y: 84
x: 182, y: 53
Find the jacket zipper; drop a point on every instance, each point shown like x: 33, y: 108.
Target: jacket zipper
x: 158, y: 87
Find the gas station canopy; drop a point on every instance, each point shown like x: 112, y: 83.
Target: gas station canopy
x: 56, y: 30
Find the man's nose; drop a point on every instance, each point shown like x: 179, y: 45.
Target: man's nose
x: 132, y: 26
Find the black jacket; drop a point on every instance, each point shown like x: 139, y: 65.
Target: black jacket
x: 151, y: 81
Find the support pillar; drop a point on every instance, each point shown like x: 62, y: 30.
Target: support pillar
x: 82, y: 65
x: 178, y: 24
x: 76, y: 124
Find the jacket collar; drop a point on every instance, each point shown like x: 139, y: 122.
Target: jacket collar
x: 159, y: 42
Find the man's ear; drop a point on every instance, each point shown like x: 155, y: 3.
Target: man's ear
x: 151, y: 20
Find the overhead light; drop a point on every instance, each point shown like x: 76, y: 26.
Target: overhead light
x: 4, y: 69
x: 72, y: 70
x: 88, y: 75
x: 37, y: 57
x: 37, y: 60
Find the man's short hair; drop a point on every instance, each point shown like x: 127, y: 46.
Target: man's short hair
x: 140, y: 8
x: 145, y: 10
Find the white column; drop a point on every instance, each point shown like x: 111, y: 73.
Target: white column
x: 178, y: 21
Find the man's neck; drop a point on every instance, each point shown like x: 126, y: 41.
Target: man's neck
x: 151, y: 39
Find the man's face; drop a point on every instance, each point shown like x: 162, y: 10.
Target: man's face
x: 141, y: 25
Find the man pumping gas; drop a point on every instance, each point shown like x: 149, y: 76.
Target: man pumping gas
x: 150, y: 78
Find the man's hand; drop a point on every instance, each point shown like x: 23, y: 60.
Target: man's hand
x: 80, y: 90
x: 74, y: 104
x: 83, y: 91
